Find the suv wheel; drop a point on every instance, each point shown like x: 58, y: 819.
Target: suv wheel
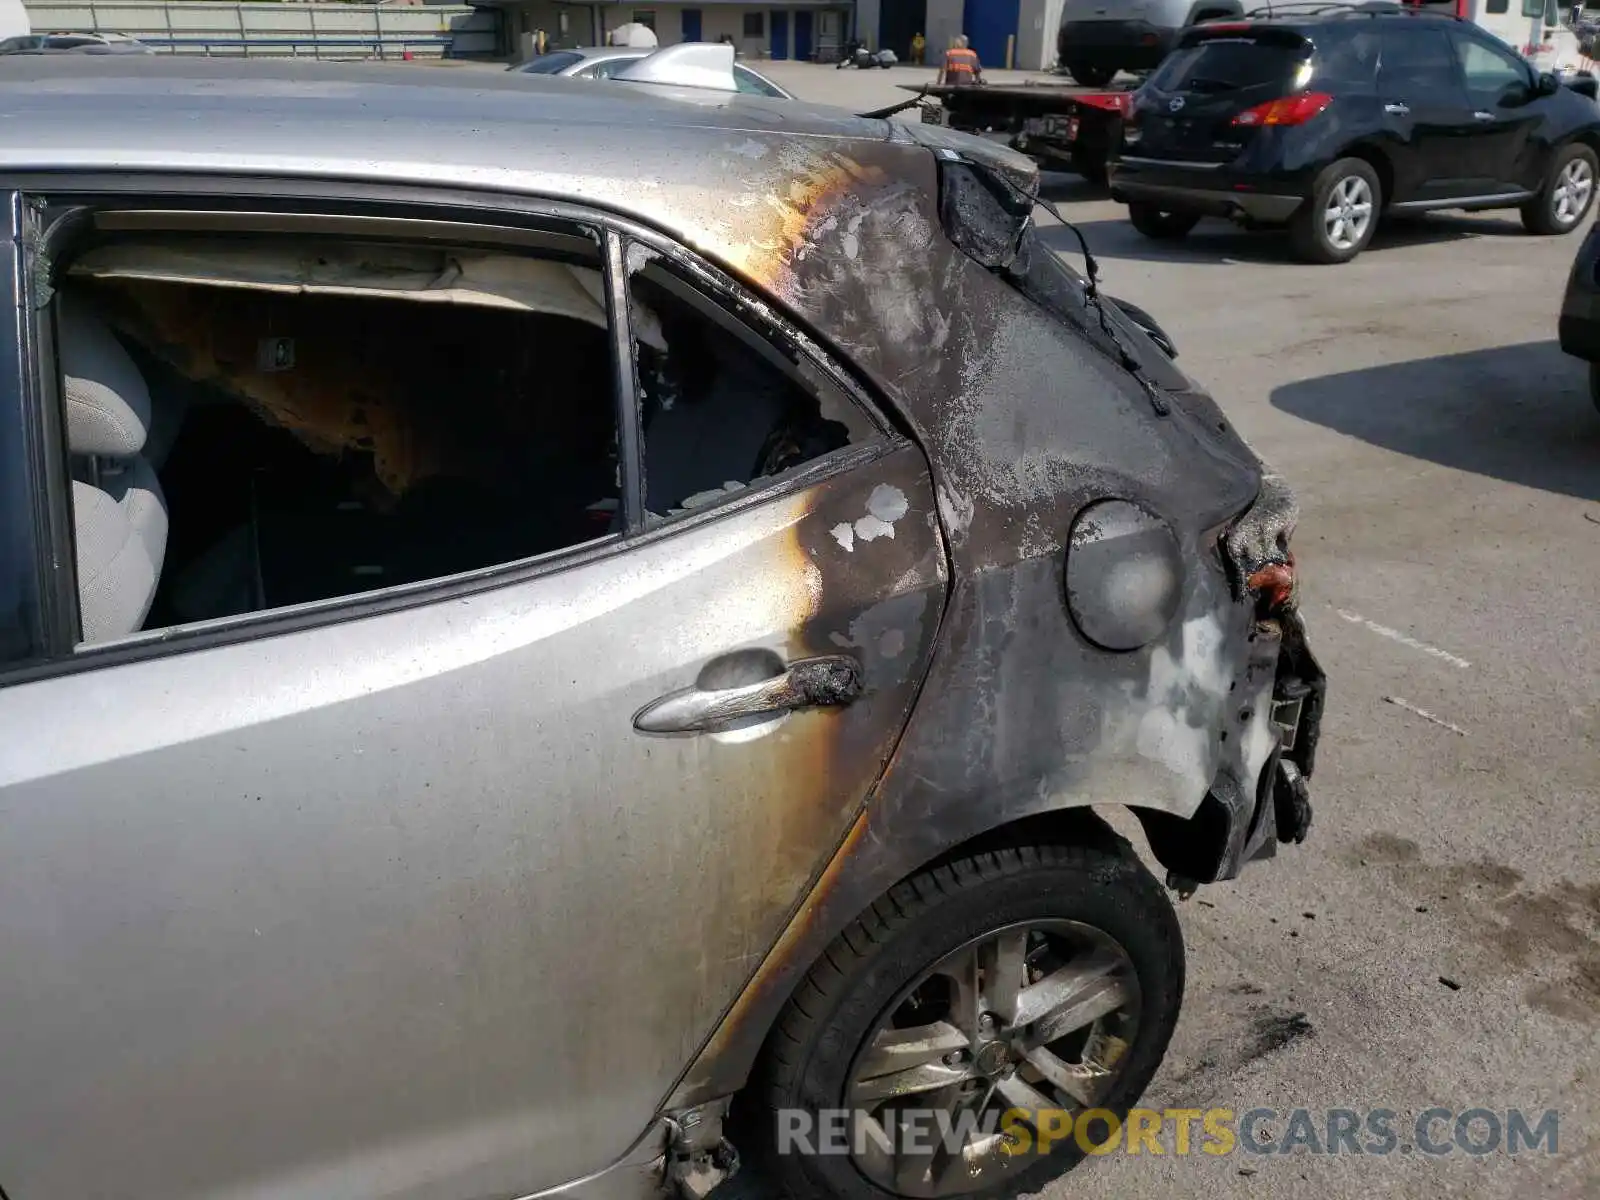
x: 1160, y: 223
x: 1337, y: 222
x: 1567, y: 194
x: 1091, y: 75
x: 1031, y: 977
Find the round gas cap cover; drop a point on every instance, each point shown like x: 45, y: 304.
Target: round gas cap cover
x: 1124, y: 575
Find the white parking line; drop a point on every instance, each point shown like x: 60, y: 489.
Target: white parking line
x: 1403, y: 639
x: 1425, y: 714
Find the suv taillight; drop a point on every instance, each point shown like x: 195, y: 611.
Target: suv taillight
x: 1287, y: 110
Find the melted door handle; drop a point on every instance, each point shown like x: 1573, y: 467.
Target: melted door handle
x: 833, y: 679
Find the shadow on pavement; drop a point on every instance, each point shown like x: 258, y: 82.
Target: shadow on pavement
x: 1221, y: 242
x: 1518, y: 413
x: 1064, y: 188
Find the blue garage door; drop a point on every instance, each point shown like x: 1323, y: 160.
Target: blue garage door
x: 988, y: 23
x: 691, y: 24
x: 802, y: 35
x: 780, y: 34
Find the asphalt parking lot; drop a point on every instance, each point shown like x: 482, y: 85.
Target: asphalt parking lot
x: 1437, y: 940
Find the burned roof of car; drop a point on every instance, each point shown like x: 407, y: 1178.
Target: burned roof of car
x: 742, y: 178
x: 409, y: 122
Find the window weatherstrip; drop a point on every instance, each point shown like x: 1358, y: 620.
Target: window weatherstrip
x: 630, y: 449
x: 44, y: 438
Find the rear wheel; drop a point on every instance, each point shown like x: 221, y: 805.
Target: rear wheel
x: 1091, y: 165
x: 1161, y: 223
x: 1567, y: 194
x: 1090, y: 74
x: 1028, y: 978
x: 1338, y: 220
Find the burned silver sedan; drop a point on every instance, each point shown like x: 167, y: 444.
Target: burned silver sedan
x: 563, y: 639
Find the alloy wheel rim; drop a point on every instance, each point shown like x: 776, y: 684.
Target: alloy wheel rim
x: 1348, y: 213
x: 1038, y: 1015
x: 1573, y: 187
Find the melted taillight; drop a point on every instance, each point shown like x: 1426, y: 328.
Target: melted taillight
x: 1286, y: 110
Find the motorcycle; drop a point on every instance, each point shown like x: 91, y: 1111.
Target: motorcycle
x: 858, y: 56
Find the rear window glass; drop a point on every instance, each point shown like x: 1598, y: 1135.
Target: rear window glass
x: 752, y: 84
x: 1227, y: 64
x: 551, y: 64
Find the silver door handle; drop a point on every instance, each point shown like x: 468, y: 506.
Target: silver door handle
x: 1480, y: 115
x: 1398, y: 110
x: 833, y: 679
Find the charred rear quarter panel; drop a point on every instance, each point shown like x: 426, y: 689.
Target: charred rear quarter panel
x: 1025, y: 425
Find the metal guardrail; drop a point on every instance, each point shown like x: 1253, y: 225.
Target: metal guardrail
x: 250, y: 28
x: 410, y: 45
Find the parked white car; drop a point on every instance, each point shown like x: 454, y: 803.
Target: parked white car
x: 603, y: 62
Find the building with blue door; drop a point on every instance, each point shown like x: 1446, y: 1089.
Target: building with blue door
x: 789, y: 29
x: 1023, y: 29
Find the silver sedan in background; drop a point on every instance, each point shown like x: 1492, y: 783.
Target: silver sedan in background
x: 602, y: 62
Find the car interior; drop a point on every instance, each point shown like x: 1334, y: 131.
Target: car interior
x: 257, y: 422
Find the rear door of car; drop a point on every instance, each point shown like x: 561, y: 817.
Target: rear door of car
x: 1427, y: 110
x: 1187, y: 108
x: 433, y: 892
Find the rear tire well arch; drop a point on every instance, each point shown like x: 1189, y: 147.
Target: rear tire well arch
x: 1378, y: 159
x: 1584, y: 137
x: 1075, y: 826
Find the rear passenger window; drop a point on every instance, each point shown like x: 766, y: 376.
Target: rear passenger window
x: 1346, y: 58
x: 260, y: 421
x: 723, y: 404
x: 1418, y: 61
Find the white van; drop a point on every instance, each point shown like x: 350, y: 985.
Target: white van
x: 14, y: 20
x: 1536, y: 29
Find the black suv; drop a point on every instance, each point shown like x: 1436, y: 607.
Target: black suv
x: 1322, y: 117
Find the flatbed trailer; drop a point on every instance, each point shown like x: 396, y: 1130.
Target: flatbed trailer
x: 1058, y: 125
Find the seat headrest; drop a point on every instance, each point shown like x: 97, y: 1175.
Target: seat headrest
x: 108, y: 404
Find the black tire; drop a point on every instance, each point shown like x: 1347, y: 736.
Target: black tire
x: 1544, y: 213
x: 1308, y: 229
x: 1092, y: 166
x: 808, y: 1059
x: 1092, y: 74
x: 1162, y: 224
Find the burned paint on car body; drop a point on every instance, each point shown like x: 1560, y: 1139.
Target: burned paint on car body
x: 1022, y: 405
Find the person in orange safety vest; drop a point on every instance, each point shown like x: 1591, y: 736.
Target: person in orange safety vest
x: 961, y: 65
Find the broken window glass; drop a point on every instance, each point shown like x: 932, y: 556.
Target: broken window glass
x: 722, y: 405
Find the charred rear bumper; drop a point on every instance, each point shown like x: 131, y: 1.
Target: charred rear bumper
x: 1261, y: 794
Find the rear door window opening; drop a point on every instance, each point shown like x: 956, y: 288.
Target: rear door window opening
x: 255, y: 421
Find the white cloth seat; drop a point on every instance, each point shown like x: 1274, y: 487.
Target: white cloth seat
x: 119, y: 515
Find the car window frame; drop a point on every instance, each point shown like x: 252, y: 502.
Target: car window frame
x: 36, y: 495
x: 400, y: 212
